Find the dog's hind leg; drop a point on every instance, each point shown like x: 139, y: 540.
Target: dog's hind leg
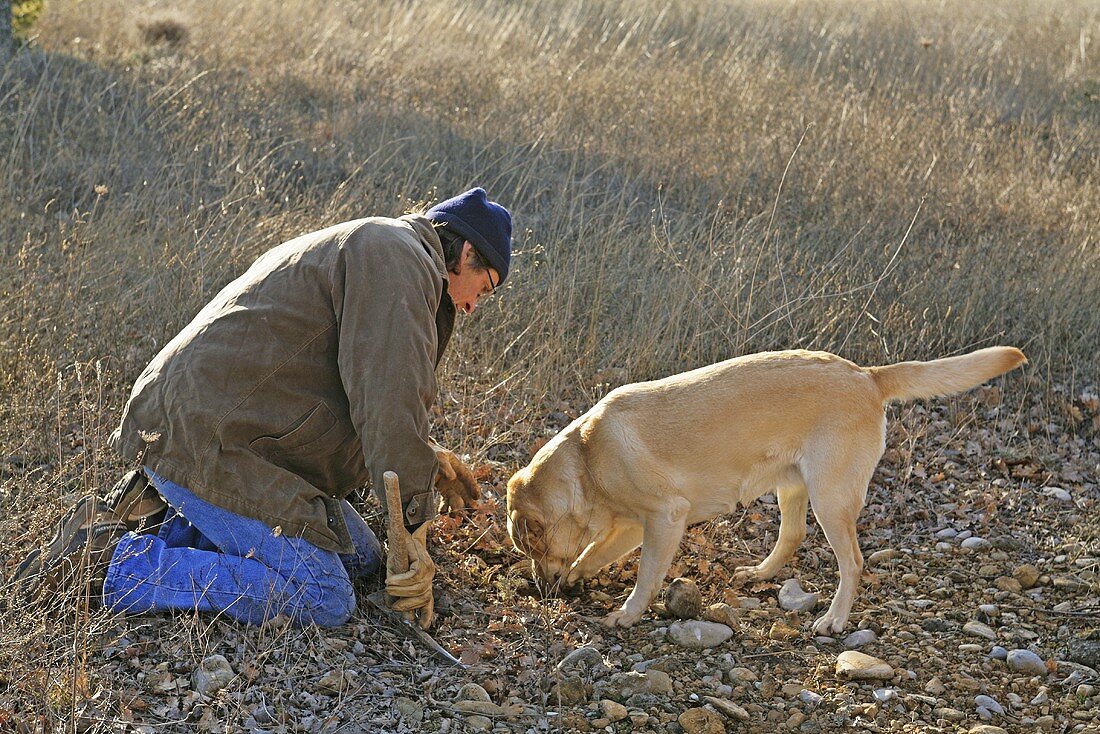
x: 792, y: 530
x: 662, y: 532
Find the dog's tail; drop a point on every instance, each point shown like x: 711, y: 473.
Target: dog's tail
x: 909, y: 380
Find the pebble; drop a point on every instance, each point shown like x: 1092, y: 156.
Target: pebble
x: 810, y: 698
x: 859, y: 666
x: 411, y: 711
x: 613, y: 710
x: 979, y: 630
x: 998, y: 653
x: 213, y: 674
x: 1025, y: 661
x: 571, y: 690
x: 989, y: 704
x: 586, y: 657
x: 698, y: 635
x: 722, y: 614
x: 1009, y: 584
x: 1084, y: 652
x: 473, y: 692
x: 976, y: 543
x: 882, y: 556
x: 479, y: 722
x: 794, y: 599
x: 742, y: 675
x: 728, y: 709
x: 1058, y: 493
x: 1027, y: 575
x: 949, y: 713
x: 946, y: 533
x: 622, y: 686
x: 684, y: 600
x: 701, y: 721
x: 935, y: 687
x: 780, y: 631
x: 859, y: 638
x: 986, y: 729
x: 885, y: 695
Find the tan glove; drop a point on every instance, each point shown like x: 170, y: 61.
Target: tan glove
x: 411, y: 591
x: 455, y: 481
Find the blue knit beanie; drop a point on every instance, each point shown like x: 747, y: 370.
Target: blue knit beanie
x: 485, y: 224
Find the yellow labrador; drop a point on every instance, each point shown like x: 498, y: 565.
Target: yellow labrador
x: 654, y: 457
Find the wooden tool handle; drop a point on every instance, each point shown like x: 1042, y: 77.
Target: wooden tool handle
x: 399, y: 554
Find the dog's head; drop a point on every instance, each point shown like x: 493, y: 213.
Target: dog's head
x: 552, y: 519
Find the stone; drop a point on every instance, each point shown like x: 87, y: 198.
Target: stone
x: 1027, y: 575
x: 935, y: 687
x: 586, y: 657
x: 986, y: 729
x: 1058, y: 493
x: 782, y: 632
x: 1084, y: 651
x: 698, y: 635
x: 728, y: 709
x: 572, y: 690
x: 622, y: 686
x: 409, y: 710
x: 701, y: 721
x: 856, y: 665
x: 722, y: 614
x: 978, y: 629
x: 884, y: 695
x: 882, y: 556
x: 479, y: 723
x: 742, y: 675
x: 859, y: 638
x: 1025, y: 661
x: 976, y: 543
x: 1009, y: 584
x: 213, y: 674
x: 989, y: 704
x: 998, y: 653
x: 472, y: 692
x: 794, y: 599
x: 683, y: 599
x: 949, y: 713
x: 810, y: 698
x: 613, y: 710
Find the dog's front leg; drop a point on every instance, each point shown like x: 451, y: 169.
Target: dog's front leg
x: 662, y: 532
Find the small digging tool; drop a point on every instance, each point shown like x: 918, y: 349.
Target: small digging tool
x: 399, y: 562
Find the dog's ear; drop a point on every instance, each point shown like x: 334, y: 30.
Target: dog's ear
x: 527, y: 535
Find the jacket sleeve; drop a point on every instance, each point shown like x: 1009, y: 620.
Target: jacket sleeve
x: 385, y: 294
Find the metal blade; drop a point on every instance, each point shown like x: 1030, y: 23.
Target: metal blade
x: 378, y: 601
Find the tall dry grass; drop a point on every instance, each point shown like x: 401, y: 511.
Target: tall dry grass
x: 690, y: 180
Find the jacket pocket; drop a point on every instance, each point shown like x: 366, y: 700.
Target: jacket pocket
x: 306, y: 435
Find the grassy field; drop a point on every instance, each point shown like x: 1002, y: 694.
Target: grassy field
x: 690, y: 181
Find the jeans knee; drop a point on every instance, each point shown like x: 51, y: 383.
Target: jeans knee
x: 334, y: 606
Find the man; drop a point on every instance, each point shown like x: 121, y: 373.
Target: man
x: 304, y: 379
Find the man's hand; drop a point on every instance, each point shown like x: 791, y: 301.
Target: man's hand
x: 454, y: 481
x: 412, y: 590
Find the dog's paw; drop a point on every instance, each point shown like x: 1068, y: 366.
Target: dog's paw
x: 621, y: 618
x: 746, y: 574
x: 828, y: 625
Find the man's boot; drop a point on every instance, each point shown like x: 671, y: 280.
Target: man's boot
x: 76, y: 558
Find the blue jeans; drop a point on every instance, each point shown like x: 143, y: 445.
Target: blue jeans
x: 209, y: 559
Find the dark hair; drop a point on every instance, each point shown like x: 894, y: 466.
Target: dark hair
x: 452, y: 250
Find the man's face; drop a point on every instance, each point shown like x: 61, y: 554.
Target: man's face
x: 467, y: 284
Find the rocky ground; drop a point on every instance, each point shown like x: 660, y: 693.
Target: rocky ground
x: 978, y: 612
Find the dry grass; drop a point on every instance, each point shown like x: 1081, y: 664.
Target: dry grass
x: 690, y: 181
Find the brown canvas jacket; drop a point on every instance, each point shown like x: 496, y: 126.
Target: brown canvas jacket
x: 304, y: 379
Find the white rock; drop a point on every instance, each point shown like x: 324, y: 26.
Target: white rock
x: 858, y: 666
x: 1025, y: 661
x: 979, y: 630
x: 698, y: 635
x: 794, y: 599
x: 212, y: 675
x: 989, y: 704
x: 1058, y: 493
x: 885, y: 695
x: 859, y: 638
x: 976, y: 544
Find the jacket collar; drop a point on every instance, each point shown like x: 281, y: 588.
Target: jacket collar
x: 425, y: 230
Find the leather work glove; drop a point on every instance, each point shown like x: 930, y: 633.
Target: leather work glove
x: 411, y: 591
x: 455, y: 481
